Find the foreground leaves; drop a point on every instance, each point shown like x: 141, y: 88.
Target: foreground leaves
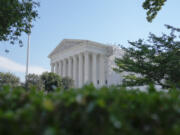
x: 87, y: 111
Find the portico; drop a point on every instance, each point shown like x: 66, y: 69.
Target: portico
x: 82, y: 68
x: 81, y: 60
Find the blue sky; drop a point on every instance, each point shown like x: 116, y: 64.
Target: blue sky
x: 105, y: 21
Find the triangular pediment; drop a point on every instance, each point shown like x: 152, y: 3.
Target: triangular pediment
x: 65, y: 44
x: 69, y: 43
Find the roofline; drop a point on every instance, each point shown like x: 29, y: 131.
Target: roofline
x: 95, y: 43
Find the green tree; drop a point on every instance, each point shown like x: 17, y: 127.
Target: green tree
x: 8, y: 79
x: 51, y: 81
x: 67, y: 83
x: 156, y: 60
x: 15, y: 16
x: 33, y: 80
x: 152, y: 7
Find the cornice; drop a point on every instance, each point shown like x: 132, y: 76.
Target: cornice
x: 72, y: 43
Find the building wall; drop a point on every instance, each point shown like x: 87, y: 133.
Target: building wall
x: 105, y: 56
x: 114, y: 78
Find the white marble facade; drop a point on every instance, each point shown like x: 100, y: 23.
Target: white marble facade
x: 85, y: 62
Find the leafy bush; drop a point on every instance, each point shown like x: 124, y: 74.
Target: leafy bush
x: 88, y: 111
x: 67, y: 83
x: 33, y: 80
x: 51, y: 81
x: 8, y: 79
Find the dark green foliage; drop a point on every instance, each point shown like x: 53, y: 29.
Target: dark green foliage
x: 156, y: 61
x: 33, y: 80
x: 51, y: 81
x: 88, y: 111
x: 8, y: 79
x: 67, y: 83
x: 153, y: 7
x: 48, y: 82
x: 15, y: 18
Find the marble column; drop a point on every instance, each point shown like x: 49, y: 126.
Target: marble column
x: 64, y: 68
x: 102, y: 71
x: 52, y: 67
x: 60, y: 68
x: 74, y: 70
x: 86, y: 67
x: 94, y: 69
x: 56, y: 67
x: 80, y: 67
x: 69, y: 67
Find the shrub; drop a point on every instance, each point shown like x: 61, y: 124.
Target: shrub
x: 88, y: 111
x: 8, y: 79
x: 51, y: 81
x: 67, y: 83
x: 33, y: 80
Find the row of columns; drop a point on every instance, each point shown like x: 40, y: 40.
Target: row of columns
x: 78, y: 68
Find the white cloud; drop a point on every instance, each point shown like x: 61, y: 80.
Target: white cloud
x: 12, y: 66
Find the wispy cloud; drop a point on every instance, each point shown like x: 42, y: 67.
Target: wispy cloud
x: 12, y: 66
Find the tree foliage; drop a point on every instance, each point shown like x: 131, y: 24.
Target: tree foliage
x: 155, y: 61
x: 33, y: 80
x: 8, y: 79
x: 15, y: 18
x: 67, y: 83
x: 89, y: 111
x: 153, y: 7
x: 51, y: 81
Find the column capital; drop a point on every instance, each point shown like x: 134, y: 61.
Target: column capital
x: 87, y: 52
x: 81, y: 53
x: 52, y: 64
x: 94, y: 53
x: 102, y: 55
x: 65, y: 59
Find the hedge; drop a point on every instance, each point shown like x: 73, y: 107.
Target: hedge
x: 89, y: 111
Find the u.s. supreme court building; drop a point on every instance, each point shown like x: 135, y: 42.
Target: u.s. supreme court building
x: 86, y: 62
